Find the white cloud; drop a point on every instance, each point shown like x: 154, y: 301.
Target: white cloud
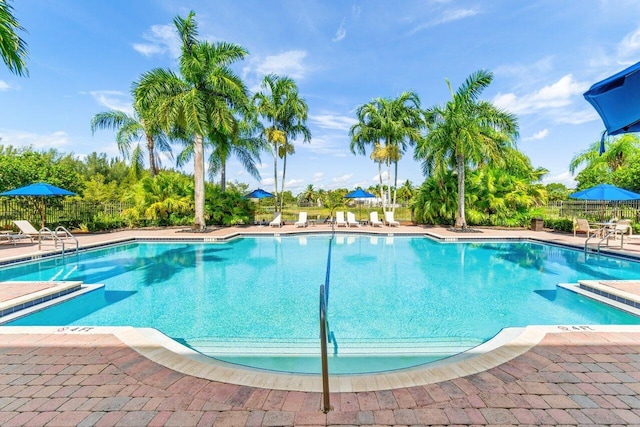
x: 341, y: 33
x: 16, y: 138
x: 629, y: 46
x: 341, y: 180
x: 4, y: 86
x: 114, y: 100
x: 334, y: 122
x: 284, y: 64
x: 538, y: 135
x: 376, y: 177
x: 328, y: 146
x: 563, y: 178
x: 448, y: 15
x: 555, y: 101
x: 317, y: 177
x: 162, y: 39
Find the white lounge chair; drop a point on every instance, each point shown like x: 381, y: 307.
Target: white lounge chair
x: 340, y: 219
x: 277, y: 220
x: 302, y: 220
x: 26, y: 228
x: 373, y: 219
x: 388, y: 218
x: 12, y: 237
x: 351, y: 220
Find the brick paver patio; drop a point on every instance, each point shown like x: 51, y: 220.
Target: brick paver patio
x: 569, y: 378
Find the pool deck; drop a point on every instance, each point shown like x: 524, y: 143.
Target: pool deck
x: 551, y: 375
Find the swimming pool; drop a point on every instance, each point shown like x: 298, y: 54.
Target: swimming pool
x: 394, y: 301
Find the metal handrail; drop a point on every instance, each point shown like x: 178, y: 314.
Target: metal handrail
x: 326, y: 403
x: 45, y: 233
x: 67, y: 233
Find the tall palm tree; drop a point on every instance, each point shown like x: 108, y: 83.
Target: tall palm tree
x: 396, y: 122
x: 13, y: 49
x: 204, y: 96
x: 464, y: 133
x: 133, y: 128
x: 242, y: 144
x: 280, y: 104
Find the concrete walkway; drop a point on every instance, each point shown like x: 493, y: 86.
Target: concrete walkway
x: 568, y: 375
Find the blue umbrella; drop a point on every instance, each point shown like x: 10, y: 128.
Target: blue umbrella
x: 359, y: 194
x: 605, y: 192
x: 39, y: 189
x: 617, y: 101
x: 258, y: 194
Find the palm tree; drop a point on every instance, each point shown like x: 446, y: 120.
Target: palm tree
x: 242, y: 144
x: 133, y: 128
x: 397, y: 122
x: 617, y: 153
x: 204, y: 96
x: 280, y: 104
x: 464, y: 133
x: 308, y: 195
x: 12, y: 48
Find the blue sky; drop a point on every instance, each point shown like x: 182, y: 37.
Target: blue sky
x: 84, y: 55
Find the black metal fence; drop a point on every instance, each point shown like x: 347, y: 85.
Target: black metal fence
x: 71, y: 213
x: 595, y: 210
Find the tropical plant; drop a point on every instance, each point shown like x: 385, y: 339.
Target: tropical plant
x: 280, y: 105
x: 600, y: 168
x: 557, y: 191
x: 406, y: 191
x: 204, y: 97
x: 13, y: 49
x: 309, y: 195
x: 464, y: 133
x: 242, y: 144
x: 133, y: 128
x: 396, y: 122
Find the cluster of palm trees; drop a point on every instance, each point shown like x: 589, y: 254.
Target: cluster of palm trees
x: 206, y: 104
x: 463, y: 133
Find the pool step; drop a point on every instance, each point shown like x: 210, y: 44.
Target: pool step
x: 309, y: 347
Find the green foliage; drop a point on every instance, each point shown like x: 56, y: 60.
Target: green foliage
x: 228, y: 207
x: 166, y: 199
x: 25, y: 166
x: 560, y: 224
x: 557, y: 192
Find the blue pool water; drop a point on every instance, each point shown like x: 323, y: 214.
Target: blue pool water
x: 255, y: 300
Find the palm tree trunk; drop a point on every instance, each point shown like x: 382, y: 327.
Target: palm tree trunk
x: 198, y: 177
x: 153, y: 168
x: 384, y: 205
x: 460, y: 219
x: 395, y: 185
x: 275, y: 174
x: 223, y: 176
x: 389, y: 183
x: 284, y: 172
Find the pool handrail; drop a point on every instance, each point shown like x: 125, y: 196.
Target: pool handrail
x: 326, y: 402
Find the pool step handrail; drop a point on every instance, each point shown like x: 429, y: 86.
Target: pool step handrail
x: 63, y: 233
x: 58, y: 237
x: 326, y: 402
